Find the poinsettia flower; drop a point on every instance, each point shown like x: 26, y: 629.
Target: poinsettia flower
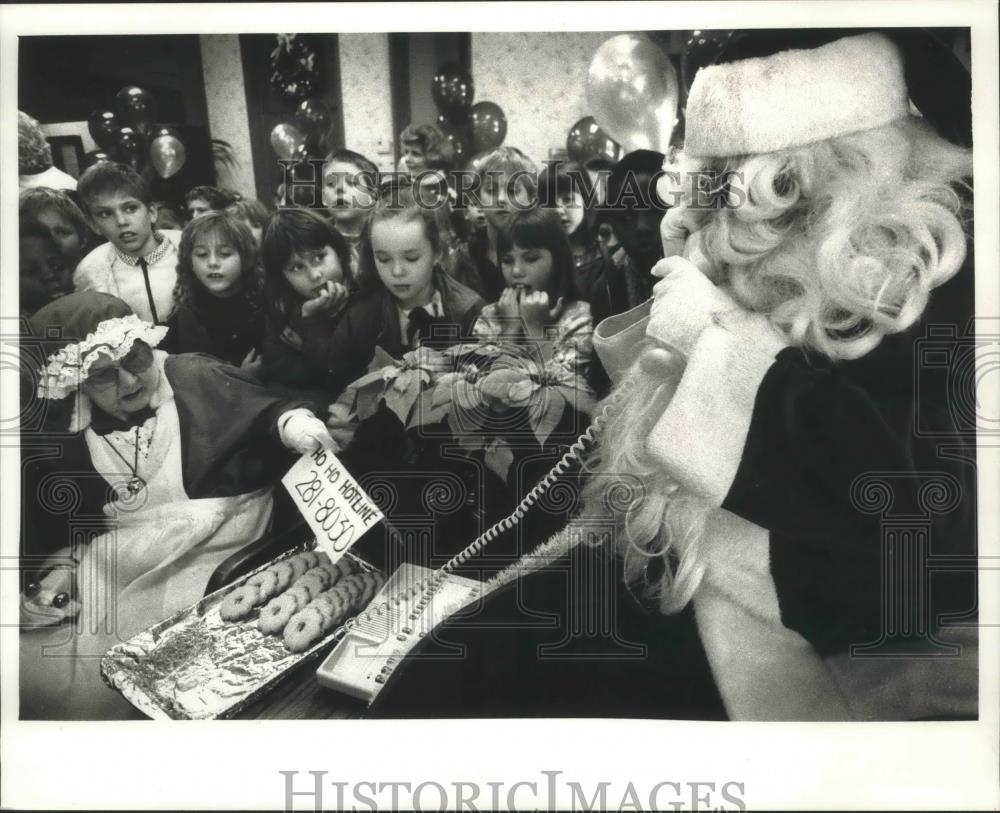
x: 397, y: 382
x: 509, y: 385
x: 402, y: 378
x: 425, y: 358
x: 468, y: 394
x: 521, y: 391
x: 480, y: 349
x: 543, y: 388
x: 461, y: 387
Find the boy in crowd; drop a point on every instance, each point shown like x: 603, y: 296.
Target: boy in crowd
x: 350, y: 187
x: 508, y: 183
x: 138, y: 264
x: 204, y: 199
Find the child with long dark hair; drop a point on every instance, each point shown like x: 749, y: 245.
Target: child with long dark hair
x: 306, y: 283
x: 538, y: 304
x: 566, y: 188
x: 508, y: 183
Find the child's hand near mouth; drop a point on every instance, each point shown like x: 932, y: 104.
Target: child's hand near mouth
x: 331, y: 298
x: 536, y: 312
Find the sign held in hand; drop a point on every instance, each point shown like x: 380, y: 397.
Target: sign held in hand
x: 335, y: 506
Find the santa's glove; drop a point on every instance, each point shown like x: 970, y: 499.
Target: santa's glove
x: 303, y: 432
x: 678, y: 224
x: 685, y: 302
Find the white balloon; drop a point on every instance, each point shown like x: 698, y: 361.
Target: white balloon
x: 632, y: 91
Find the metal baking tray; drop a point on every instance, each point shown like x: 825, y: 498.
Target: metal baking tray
x: 195, y: 666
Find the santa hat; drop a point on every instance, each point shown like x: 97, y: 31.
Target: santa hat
x: 795, y: 97
x: 81, y: 327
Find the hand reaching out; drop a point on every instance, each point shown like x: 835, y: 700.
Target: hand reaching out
x: 303, y: 432
x: 252, y: 362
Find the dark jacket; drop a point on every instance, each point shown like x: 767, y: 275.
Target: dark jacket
x: 618, y: 286
x: 487, y: 265
x: 371, y: 321
x: 225, y: 328
x: 285, y: 363
x: 899, y: 419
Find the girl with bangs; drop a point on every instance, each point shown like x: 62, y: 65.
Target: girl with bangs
x: 307, y: 285
x: 538, y: 305
x: 219, y: 291
x: 567, y: 188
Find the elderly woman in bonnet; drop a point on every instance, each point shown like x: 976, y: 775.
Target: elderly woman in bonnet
x: 151, y: 471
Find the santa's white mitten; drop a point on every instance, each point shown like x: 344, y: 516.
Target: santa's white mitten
x: 303, y: 432
x: 678, y: 224
x: 685, y: 302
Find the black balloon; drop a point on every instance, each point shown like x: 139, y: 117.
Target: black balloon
x: 475, y: 163
x: 303, y: 152
x: 587, y: 140
x: 103, y: 124
x: 127, y: 147
x: 313, y: 119
x: 489, y: 126
x: 701, y: 48
x: 136, y: 107
x: 94, y: 157
x: 453, y: 90
x: 457, y: 139
x: 164, y: 130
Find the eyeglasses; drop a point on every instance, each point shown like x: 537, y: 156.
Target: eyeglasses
x: 136, y: 361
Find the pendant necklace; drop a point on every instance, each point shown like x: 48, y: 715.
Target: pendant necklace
x: 135, y: 483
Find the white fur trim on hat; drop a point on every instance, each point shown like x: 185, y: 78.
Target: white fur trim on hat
x: 795, y: 97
